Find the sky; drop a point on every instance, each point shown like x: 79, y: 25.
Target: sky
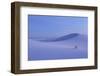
x: 55, y: 26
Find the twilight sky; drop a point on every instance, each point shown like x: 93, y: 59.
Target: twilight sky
x: 55, y: 26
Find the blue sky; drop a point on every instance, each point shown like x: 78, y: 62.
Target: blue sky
x: 55, y: 26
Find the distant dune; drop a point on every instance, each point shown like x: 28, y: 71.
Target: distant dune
x: 66, y: 37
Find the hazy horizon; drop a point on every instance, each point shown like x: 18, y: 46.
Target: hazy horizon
x: 55, y: 26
